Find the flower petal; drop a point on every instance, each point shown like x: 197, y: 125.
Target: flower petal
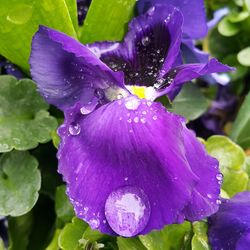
x: 184, y: 73
x: 67, y: 71
x: 132, y: 151
x: 229, y: 228
x: 152, y: 43
x: 195, y: 25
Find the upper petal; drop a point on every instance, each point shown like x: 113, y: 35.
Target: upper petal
x: 67, y: 71
x: 195, y: 25
x: 152, y: 44
x: 134, y: 150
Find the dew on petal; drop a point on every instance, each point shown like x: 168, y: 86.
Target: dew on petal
x: 86, y: 110
x: 74, y: 128
x: 143, y: 120
x: 155, y: 117
x: 136, y: 119
x: 219, y: 177
x: 132, y: 103
x: 94, y: 223
x: 127, y: 211
x: 145, y: 41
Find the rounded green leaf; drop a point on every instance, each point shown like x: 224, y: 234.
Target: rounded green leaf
x: 63, y: 207
x: 20, y: 181
x: 244, y: 57
x: 190, y: 102
x: 232, y: 161
x: 24, y: 121
x: 227, y: 28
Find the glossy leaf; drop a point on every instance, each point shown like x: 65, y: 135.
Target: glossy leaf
x: 171, y: 237
x: 227, y: 28
x: 244, y: 57
x: 19, y: 231
x: 24, y: 121
x: 200, y: 239
x: 64, y: 209
x: 107, y: 20
x: 130, y: 243
x: 190, y: 102
x: 20, y: 181
x: 71, y: 234
x: 20, y: 20
x: 240, y: 131
x: 232, y: 162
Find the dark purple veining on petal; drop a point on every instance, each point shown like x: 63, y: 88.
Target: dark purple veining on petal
x: 229, y: 228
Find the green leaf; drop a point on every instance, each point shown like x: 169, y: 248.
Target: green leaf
x: 72, y: 7
x: 171, y: 237
x: 24, y: 121
x: 240, y: 130
x: 64, y: 209
x: 19, y: 229
x: 190, y: 102
x: 232, y: 161
x: 20, y: 181
x: 129, y: 243
x: 200, y: 239
x: 107, y: 20
x: 20, y: 20
x: 71, y: 234
x: 54, y: 243
x: 2, y: 244
x: 227, y: 28
x: 244, y: 57
x: 238, y: 17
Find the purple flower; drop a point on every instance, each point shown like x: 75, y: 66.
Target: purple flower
x: 82, y: 9
x: 229, y: 228
x: 129, y: 164
x: 8, y: 68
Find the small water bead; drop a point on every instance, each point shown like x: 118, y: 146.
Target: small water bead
x: 150, y: 12
x: 136, y: 119
x: 132, y: 103
x: 145, y: 41
x: 94, y: 223
x: 143, y: 120
x: 127, y: 210
x: 74, y: 128
x: 209, y: 196
x: 219, y: 177
x: 154, y: 117
x: 218, y: 202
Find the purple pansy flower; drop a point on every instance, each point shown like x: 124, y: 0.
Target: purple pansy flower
x: 129, y: 164
x: 8, y: 68
x: 229, y: 228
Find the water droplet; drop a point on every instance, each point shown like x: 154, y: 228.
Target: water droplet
x: 149, y: 103
x: 143, y: 120
x: 74, y: 128
x: 119, y: 96
x: 127, y: 211
x: 136, y: 119
x: 209, y: 196
x: 145, y: 41
x: 151, y: 11
x: 126, y: 178
x: 85, y: 110
x: 20, y: 14
x: 94, y: 223
x: 218, y: 202
x: 219, y: 177
x: 132, y: 103
x: 155, y: 117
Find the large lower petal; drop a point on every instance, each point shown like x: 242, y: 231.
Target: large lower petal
x: 66, y: 71
x: 150, y: 47
x: 133, y: 151
x: 195, y: 25
x: 229, y: 228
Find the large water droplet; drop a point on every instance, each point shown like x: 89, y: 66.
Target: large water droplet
x: 145, y: 41
x: 85, y: 110
x: 132, y: 103
x: 127, y: 211
x: 20, y: 14
x: 74, y: 128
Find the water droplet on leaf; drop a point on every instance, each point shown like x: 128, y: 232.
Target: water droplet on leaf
x: 20, y: 14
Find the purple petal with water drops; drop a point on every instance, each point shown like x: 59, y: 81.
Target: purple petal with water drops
x: 229, y: 228
x: 66, y: 71
x: 195, y: 25
x: 8, y: 68
x: 172, y: 82
x: 152, y: 44
x: 131, y: 167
